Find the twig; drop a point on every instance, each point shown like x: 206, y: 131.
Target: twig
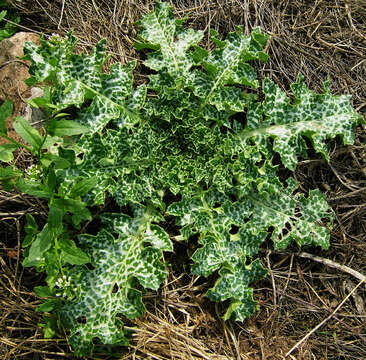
x: 324, y: 321
x: 224, y: 328
x: 19, y: 213
x: 288, y: 279
x: 348, y: 11
x: 6, y: 63
x: 272, y: 278
x: 351, y: 194
x: 24, y: 27
x: 235, y: 341
x: 62, y: 14
x: 334, y: 265
x: 349, y: 187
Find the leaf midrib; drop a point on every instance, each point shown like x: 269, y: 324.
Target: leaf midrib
x: 167, y: 44
x: 100, y: 95
x: 309, y: 126
x: 217, y: 82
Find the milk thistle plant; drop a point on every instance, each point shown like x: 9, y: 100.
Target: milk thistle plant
x: 196, y: 131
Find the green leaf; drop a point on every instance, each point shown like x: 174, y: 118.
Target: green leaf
x: 51, y: 180
x: 67, y: 128
x: 31, y: 229
x: 71, y: 254
x: 39, y: 247
x: 76, y: 207
x: 233, y: 284
x: 33, y: 188
x: 293, y: 216
x: 232, y: 231
x: 159, y: 30
x: 8, y: 177
x: 6, y: 152
x: 315, y: 116
x: 213, y: 216
x: 8, y: 173
x: 47, y: 306
x: 6, y: 109
x: 52, y: 265
x: 31, y: 81
x: 8, y: 29
x: 43, y: 291
x: 55, y: 216
x: 2, y: 14
x: 158, y: 238
x: 28, y: 133
x: 79, y: 78
x: 48, y: 327
x: 83, y: 186
x: 60, y: 162
x: 227, y: 66
x: 49, y: 332
x: 111, y: 288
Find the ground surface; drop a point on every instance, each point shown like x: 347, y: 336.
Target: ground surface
x: 320, y: 38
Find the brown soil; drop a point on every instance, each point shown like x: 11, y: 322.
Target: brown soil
x: 323, y: 39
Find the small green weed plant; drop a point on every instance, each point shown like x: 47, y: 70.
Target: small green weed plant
x: 7, y: 29
x: 200, y: 141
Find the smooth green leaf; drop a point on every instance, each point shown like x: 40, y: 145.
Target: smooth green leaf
x: 8, y: 177
x: 71, y: 254
x: 52, y: 265
x: 8, y: 28
x: 39, y: 247
x: 2, y: 14
x: 47, y: 306
x: 43, y: 291
x: 27, y: 132
x: 67, y: 128
x: 8, y: 173
x: 31, y: 81
x: 33, y: 188
x: 49, y: 326
x: 55, y: 216
x: 51, y: 179
x: 69, y: 205
x: 31, y: 229
x: 6, y: 152
x: 49, y: 332
x: 83, y: 186
x: 59, y: 161
x: 76, y: 207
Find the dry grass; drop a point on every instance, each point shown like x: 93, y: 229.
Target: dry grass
x: 320, y: 38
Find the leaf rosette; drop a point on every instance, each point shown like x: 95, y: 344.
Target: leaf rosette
x: 195, y: 143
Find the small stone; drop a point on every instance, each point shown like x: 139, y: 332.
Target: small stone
x: 34, y: 115
x: 13, y: 72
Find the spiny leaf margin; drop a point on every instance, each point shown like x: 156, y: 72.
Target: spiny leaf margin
x: 178, y: 133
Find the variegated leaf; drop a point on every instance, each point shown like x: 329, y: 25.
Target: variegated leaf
x: 315, y: 116
x: 79, y: 78
x: 161, y: 31
x: 227, y: 66
x: 110, y: 290
x: 175, y: 137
